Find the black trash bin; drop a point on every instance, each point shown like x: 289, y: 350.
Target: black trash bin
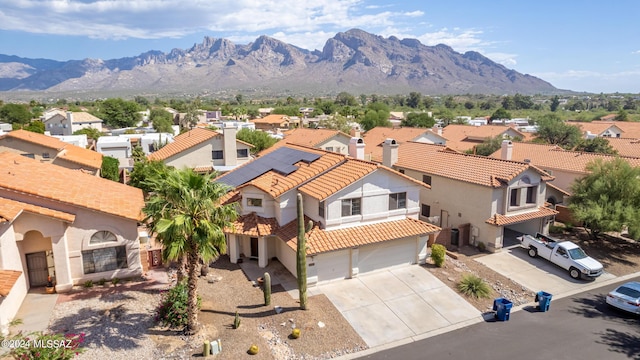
x: 455, y: 237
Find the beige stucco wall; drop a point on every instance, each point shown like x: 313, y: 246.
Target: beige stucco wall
x: 22, y: 147
x: 201, y: 155
x: 10, y: 260
x: 340, y: 144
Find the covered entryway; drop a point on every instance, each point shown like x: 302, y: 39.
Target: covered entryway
x: 38, y: 269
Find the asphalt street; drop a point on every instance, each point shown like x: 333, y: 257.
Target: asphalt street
x: 581, y: 326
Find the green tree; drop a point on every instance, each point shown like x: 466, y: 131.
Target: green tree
x: 36, y: 126
x: 555, y: 103
x: 552, y: 130
x: 346, y: 99
x: 15, y: 114
x: 337, y: 122
x: 500, y: 114
x: 450, y: 102
x: 622, y: 115
x: 421, y: 119
x: 327, y: 107
x: 608, y: 198
x: 469, y: 105
x: 162, y: 120
x: 259, y: 139
x: 413, y: 101
x: 186, y: 214
x: 596, y: 145
x: 488, y: 147
x: 110, y: 168
x: 92, y: 133
x: 144, y: 170
x: 119, y: 113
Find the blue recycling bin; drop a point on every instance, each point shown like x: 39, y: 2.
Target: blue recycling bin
x: 544, y: 300
x: 502, y: 307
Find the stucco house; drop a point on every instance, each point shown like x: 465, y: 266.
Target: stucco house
x: 364, y: 215
x: 474, y: 196
x: 609, y: 129
x: 326, y: 139
x: 68, y: 123
x: 48, y: 149
x: 272, y: 123
x: 466, y: 137
x: 375, y: 137
x: 65, y: 224
x: 205, y: 150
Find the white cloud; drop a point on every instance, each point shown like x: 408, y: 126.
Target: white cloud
x: 636, y: 52
x: 508, y: 60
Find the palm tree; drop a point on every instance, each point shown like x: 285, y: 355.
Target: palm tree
x: 184, y: 211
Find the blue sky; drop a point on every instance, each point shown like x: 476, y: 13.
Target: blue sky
x: 589, y: 45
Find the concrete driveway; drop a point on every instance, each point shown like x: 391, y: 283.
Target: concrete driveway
x: 536, y: 274
x: 398, y: 304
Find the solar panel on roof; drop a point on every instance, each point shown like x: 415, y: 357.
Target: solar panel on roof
x: 281, y: 160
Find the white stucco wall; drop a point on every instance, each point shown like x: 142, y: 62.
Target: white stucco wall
x: 10, y: 259
x: 340, y: 144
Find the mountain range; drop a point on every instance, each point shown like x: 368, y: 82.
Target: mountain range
x: 354, y: 61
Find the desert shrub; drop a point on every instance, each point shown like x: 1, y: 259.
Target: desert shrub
x: 472, y: 285
x: 438, y: 253
x: 482, y: 247
x: 115, y: 281
x: 88, y: 284
x: 102, y: 281
x: 236, y: 321
x: 172, y: 311
x: 554, y: 229
x: 39, y: 345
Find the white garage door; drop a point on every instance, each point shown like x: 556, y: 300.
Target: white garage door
x: 386, y: 254
x: 333, y: 265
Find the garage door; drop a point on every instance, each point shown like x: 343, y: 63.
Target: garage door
x: 333, y: 265
x: 387, y: 254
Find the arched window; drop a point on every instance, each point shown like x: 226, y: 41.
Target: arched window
x: 102, y: 237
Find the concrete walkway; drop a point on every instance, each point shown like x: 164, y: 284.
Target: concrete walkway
x: 536, y: 274
x: 35, y: 311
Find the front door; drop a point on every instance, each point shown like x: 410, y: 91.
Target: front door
x: 254, y: 247
x: 444, y: 219
x: 37, y: 266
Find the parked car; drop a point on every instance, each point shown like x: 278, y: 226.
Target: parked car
x: 565, y: 254
x: 626, y: 297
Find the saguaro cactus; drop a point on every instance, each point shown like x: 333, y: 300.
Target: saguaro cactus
x: 267, y: 289
x: 301, y: 261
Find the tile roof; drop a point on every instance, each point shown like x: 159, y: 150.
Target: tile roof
x: 625, y: 147
x: 553, y: 157
x: 253, y: 225
x: 465, y: 137
x: 66, y: 151
x: 436, y: 160
x: 10, y: 209
x: 374, y: 138
x: 185, y: 141
x: 320, y: 240
x: 501, y: 220
x: 306, y: 137
x: 83, y: 116
x: 275, y: 119
x: 276, y: 184
x: 7, y: 279
x: 69, y: 186
x: 630, y: 129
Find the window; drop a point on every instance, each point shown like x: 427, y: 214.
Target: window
x: 254, y: 202
x: 329, y: 148
x: 32, y: 156
x: 531, y: 194
x: 426, y: 179
x: 398, y: 201
x: 46, y: 156
x: 106, y: 259
x: 426, y: 210
x: 217, y: 155
x: 401, y: 171
x: 351, y: 207
x: 515, y: 197
x: 242, y: 153
x: 321, y: 209
x: 102, y: 237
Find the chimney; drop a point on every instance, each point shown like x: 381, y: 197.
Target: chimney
x: 230, y: 152
x: 507, y: 150
x: 437, y: 129
x: 355, y: 132
x: 356, y: 148
x: 389, y: 152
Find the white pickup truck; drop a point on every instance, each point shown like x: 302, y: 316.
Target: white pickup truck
x: 565, y: 254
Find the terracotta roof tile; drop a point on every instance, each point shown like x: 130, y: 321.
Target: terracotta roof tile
x: 306, y: 137
x: 465, y: 137
x: 320, y: 241
x: 183, y: 142
x: 253, y: 225
x: 10, y: 209
x: 625, y: 147
x: 7, y: 279
x: 433, y: 159
x: 374, y: 138
x: 275, y: 119
x: 66, y: 151
x: 83, y: 116
x: 553, y: 157
x: 69, y: 186
x: 630, y: 129
x: 501, y: 220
